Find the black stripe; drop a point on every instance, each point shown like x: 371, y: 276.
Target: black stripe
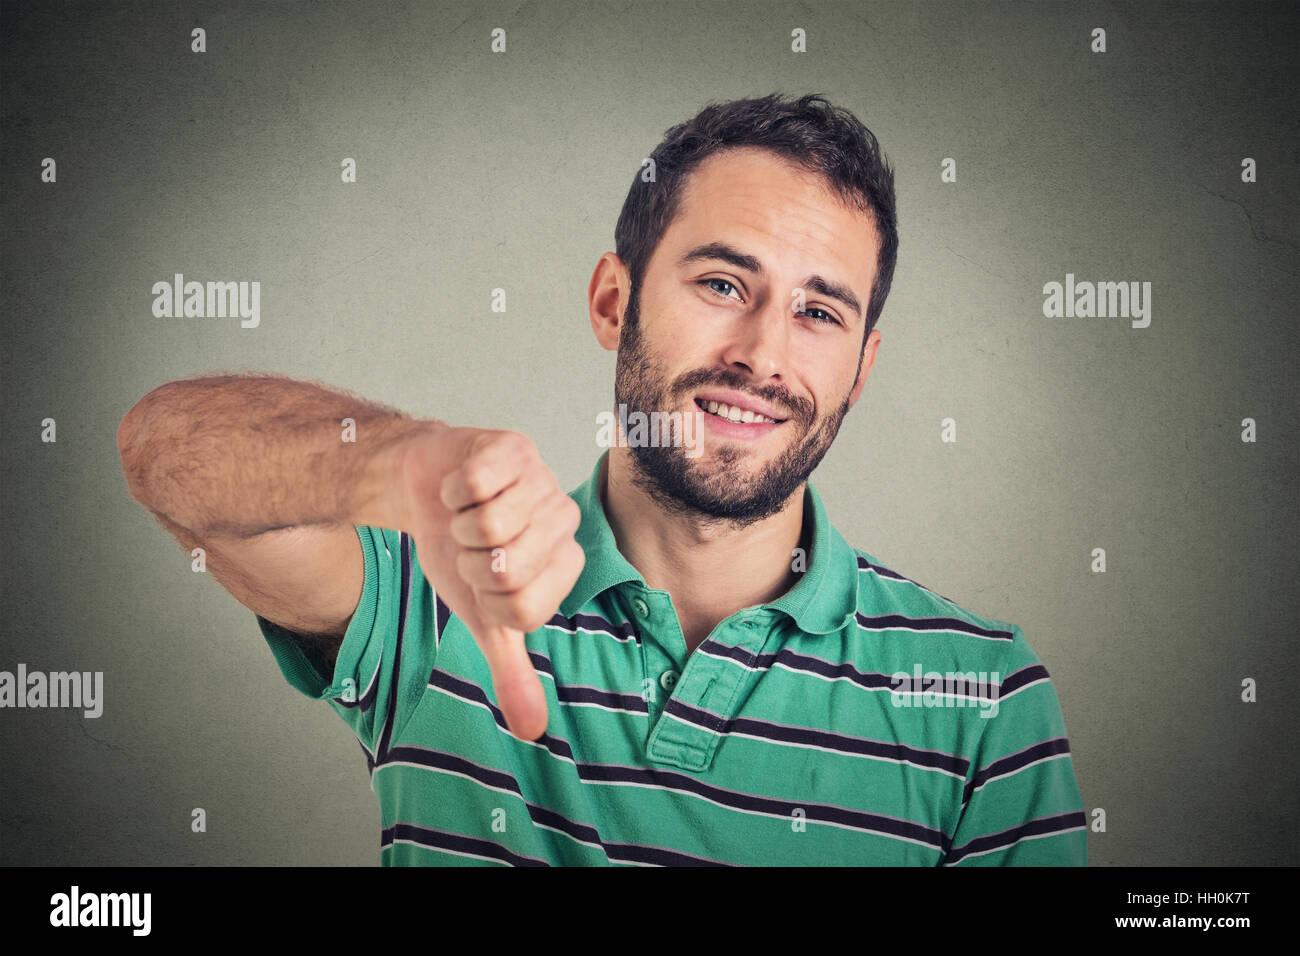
x: 568, y: 694
x: 441, y: 839
x: 543, y: 816
x: 814, y: 812
x: 803, y: 664
x: 367, y: 700
x: 845, y: 670
x: 884, y: 572
x: 931, y: 624
x: 657, y: 856
x: 394, y: 688
x: 733, y: 652
x: 594, y: 622
x: 1026, y: 675
x: 541, y: 663
x: 1006, y: 765
x: 441, y: 680
x: 443, y: 614
x: 815, y: 737
x: 1045, y: 825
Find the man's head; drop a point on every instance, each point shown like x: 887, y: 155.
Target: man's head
x: 753, y: 259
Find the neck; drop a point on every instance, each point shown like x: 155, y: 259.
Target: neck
x: 711, y: 568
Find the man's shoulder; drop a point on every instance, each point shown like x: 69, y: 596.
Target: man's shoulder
x: 916, y: 619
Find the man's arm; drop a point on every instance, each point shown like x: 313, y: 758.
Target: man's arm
x: 255, y: 470
x: 1021, y: 804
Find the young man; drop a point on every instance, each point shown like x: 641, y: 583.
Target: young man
x: 682, y: 661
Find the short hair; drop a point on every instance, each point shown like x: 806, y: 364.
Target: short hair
x: 823, y: 139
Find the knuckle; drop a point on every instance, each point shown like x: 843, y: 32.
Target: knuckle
x: 517, y: 618
x: 513, y: 445
x: 573, y: 514
x: 505, y: 573
x: 527, y: 612
x: 476, y: 478
x: 522, y: 444
x: 488, y: 524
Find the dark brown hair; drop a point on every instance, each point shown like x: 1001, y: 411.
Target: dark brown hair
x: 809, y: 131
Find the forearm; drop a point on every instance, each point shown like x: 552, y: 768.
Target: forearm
x: 242, y: 455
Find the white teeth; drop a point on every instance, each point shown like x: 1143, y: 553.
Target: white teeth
x: 723, y: 410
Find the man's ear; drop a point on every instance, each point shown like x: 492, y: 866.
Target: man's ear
x: 607, y: 298
x: 868, y: 359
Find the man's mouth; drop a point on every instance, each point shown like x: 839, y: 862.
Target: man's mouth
x: 734, y: 414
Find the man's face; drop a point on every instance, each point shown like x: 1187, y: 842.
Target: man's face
x: 756, y: 296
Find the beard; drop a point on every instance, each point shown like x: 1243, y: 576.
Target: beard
x: 721, y: 488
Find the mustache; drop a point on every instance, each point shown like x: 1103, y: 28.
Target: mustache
x: 798, y: 408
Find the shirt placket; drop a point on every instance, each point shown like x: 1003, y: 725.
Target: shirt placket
x: 691, y: 698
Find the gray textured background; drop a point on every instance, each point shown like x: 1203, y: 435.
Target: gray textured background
x: 479, y: 170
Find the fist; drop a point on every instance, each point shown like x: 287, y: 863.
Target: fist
x: 495, y: 537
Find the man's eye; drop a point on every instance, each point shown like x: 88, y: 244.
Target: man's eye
x: 825, y: 316
x: 710, y: 284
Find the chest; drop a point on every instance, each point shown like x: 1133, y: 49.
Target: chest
x: 743, y: 752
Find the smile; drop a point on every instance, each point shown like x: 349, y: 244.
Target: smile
x: 735, y: 415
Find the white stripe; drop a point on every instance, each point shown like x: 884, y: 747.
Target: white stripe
x: 1033, y: 683
x: 916, y: 584
x: 931, y: 630
x: 442, y: 849
x: 999, y: 849
x: 828, y: 750
x: 586, y: 630
x: 1010, y: 774
x: 779, y: 816
x: 391, y: 706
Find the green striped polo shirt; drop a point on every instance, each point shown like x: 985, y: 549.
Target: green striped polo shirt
x: 859, y: 719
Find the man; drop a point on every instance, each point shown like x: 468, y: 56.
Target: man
x: 682, y: 661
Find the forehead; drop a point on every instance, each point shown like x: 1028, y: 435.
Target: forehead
x: 772, y: 208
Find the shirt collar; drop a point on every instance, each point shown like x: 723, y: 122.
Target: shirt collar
x: 823, y: 601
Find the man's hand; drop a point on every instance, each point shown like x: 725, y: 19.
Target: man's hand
x: 495, y: 538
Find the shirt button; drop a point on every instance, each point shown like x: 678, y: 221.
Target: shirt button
x: 668, y: 680
x: 641, y: 607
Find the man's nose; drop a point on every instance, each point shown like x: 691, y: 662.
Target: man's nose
x: 763, y: 340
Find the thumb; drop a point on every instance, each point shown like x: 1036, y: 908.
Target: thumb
x: 515, y: 680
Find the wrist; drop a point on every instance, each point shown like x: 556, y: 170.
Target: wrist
x: 384, y: 488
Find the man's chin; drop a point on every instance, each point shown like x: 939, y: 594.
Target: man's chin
x: 720, y: 487
x: 729, y: 466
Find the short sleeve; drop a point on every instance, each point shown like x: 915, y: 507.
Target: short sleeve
x: 388, y: 652
x: 1021, y: 804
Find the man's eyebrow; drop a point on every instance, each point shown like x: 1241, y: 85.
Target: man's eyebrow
x: 814, y: 283
x: 833, y: 290
x: 720, y: 250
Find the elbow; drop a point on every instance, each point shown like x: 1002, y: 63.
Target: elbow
x: 129, y: 438
x: 126, y: 431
